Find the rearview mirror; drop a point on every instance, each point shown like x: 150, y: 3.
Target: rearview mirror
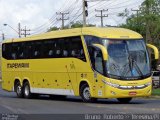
x: 155, y: 49
x: 104, y: 51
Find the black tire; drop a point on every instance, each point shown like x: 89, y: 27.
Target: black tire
x: 57, y: 97
x: 18, y: 89
x: 85, y: 94
x: 124, y: 100
x: 26, y: 91
x: 35, y: 96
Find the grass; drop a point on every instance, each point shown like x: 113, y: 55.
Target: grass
x: 156, y: 92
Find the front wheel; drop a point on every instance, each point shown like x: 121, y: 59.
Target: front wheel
x: 85, y: 93
x: 124, y: 100
x: 26, y: 90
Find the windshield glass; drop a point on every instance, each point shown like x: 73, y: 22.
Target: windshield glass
x: 128, y: 59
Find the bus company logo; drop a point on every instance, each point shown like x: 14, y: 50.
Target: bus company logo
x: 133, y: 83
x: 18, y: 65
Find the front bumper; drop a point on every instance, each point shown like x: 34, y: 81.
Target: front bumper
x: 118, y: 93
x: 125, y: 89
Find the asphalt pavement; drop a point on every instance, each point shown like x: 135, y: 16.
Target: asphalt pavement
x: 9, y: 103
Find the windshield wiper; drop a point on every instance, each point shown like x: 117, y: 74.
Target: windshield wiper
x: 137, y: 67
x: 132, y: 63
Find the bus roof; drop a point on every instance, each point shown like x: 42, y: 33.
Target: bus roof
x: 110, y: 33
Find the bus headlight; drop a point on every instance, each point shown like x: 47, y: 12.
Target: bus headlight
x: 115, y: 85
x: 110, y: 84
x: 148, y: 84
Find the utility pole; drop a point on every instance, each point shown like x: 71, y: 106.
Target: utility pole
x: 3, y: 38
x: 19, y: 30
x: 148, y: 34
x: 25, y: 31
x: 137, y: 14
x: 85, y: 12
x: 62, y: 18
x: 102, y: 15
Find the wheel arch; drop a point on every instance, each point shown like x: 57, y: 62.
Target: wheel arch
x: 82, y: 82
x: 26, y: 80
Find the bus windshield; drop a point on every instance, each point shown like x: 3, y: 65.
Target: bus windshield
x: 128, y: 59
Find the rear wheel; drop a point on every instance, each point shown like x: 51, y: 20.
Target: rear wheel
x: 124, y: 100
x: 26, y: 90
x: 85, y: 93
x: 19, y: 89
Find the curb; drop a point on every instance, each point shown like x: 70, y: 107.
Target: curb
x: 151, y: 97
x: 155, y: 96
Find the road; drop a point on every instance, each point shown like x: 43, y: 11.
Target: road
x: 9, y: 103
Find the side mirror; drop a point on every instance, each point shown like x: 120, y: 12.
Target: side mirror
x: 104, y: 51
x: 155, y: 49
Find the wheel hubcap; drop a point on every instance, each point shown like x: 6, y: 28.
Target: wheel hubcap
x: 86, y: 93
x: 26, y: 91
x: 19, y: 89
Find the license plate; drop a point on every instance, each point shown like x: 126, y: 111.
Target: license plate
x: 132, y: 93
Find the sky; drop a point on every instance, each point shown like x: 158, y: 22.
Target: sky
x: 40, y: 15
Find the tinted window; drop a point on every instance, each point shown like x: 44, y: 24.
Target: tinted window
x: 76, y: 48
x: 53, y: 48
x: 6, y: 50
x: 92, y: 40
x: 49, y: 49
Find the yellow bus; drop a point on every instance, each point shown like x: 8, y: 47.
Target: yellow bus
x: 89, y: 62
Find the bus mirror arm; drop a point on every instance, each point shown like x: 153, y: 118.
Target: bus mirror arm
x: 103, y: 49
x: 155, y: 49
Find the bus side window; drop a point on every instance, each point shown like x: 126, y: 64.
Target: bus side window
x: 65, y: 53
x: 29, y: 50
x: 48, y: 49
x: 15, y: 50
x: 37, y: 50
x: 73, y: 53
x: 92, y: 40
x: 59, y: 47
x: 20, y: 51
x: 50, y: 53
x: 6, y: 50
x: 76, y: 48
x: 14, y: 56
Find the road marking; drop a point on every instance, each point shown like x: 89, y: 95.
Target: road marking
x: 19, y: 111
x: 9, y: 108
x: 22, y: 111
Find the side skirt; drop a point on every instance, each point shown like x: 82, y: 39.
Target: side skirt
x: 53, y: 91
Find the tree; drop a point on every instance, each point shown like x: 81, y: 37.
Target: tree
x: 77, y: 24
x: 53, y: 29
x: 147, y: 22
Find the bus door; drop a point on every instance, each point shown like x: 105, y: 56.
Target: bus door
x: 97, y: 64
